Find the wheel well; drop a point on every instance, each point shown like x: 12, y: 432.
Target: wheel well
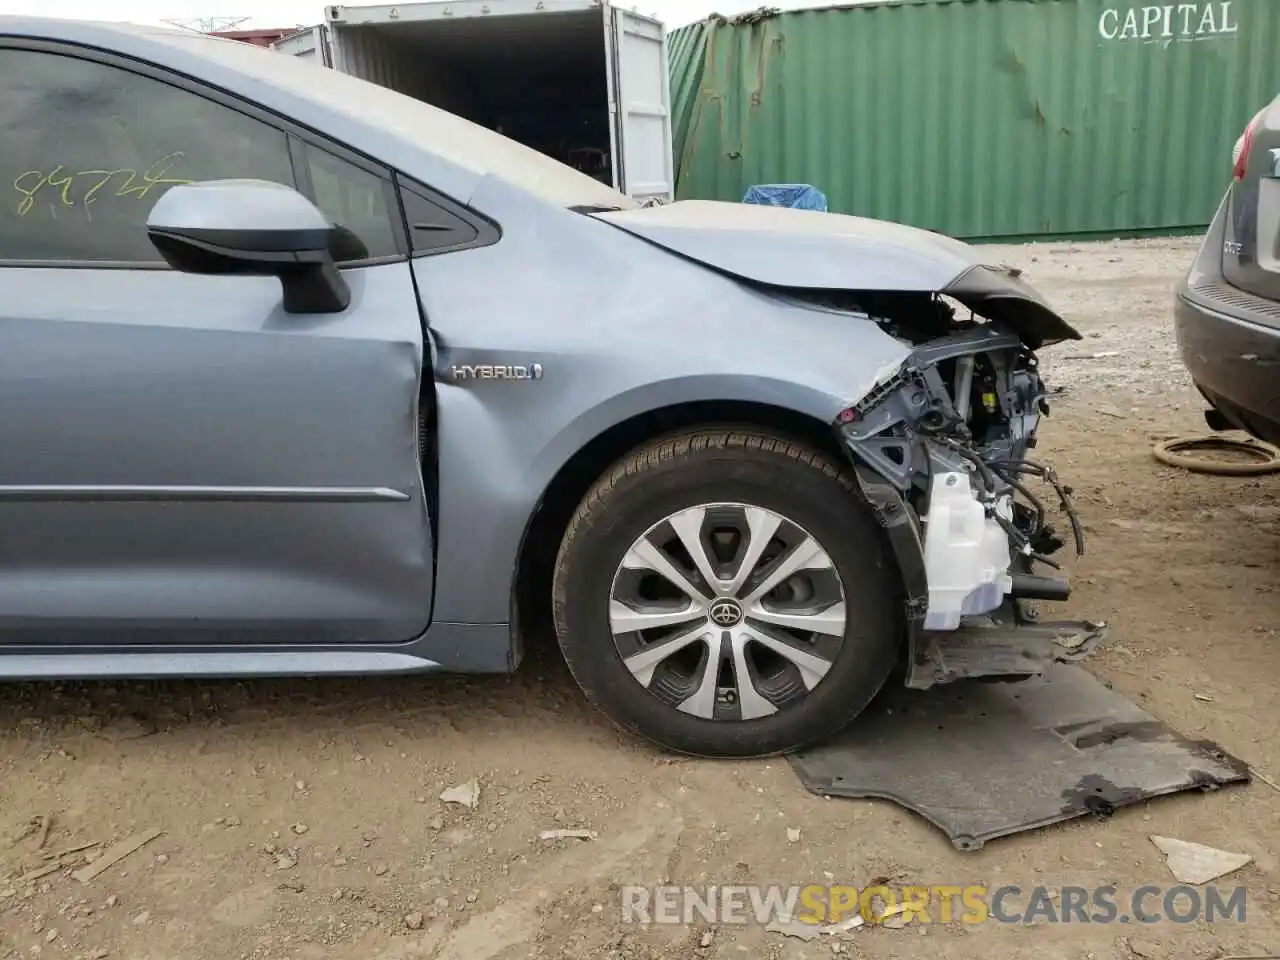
x: 531, y: 610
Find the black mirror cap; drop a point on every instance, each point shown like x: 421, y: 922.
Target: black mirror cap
x: 253, y: 250
x: 299, y: 258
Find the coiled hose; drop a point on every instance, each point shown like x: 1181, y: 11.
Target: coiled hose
x: 1263, y: 457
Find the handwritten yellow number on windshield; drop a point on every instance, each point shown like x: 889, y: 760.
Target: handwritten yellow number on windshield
x: 66, y: 185
x: 24, y: 185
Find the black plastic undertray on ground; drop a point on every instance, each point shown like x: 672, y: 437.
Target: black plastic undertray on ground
x: 982, y: 760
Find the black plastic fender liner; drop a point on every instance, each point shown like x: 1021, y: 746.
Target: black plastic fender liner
x: 899, y: 521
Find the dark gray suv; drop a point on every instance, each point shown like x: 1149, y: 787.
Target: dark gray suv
x: 1228, y: 308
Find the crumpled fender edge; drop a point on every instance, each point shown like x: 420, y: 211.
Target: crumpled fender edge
x: 1001, y: 295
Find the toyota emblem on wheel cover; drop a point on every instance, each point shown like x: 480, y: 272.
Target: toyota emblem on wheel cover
x: 726, y: 613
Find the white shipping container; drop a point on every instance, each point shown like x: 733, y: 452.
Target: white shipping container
x: 580, y: 80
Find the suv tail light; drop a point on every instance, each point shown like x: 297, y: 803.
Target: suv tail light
x: 1244, y: 146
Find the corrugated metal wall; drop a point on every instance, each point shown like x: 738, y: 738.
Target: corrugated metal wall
x: 980, y: 118
x: 687, y: 55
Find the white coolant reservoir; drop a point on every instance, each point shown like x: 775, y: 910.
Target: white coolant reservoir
x: 966, y: 554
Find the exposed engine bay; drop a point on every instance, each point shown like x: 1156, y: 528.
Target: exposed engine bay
x: 940, y: 441
x: 942, y: 449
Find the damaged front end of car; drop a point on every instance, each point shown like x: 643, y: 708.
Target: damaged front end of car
x: 942, y: 448
x: 940, y: 440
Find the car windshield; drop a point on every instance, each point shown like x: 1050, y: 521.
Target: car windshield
x: 459, y: 141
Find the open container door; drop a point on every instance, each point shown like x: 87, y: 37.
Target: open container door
x: 311, y: 45
x: 537, y: 71
x: 639, y: 97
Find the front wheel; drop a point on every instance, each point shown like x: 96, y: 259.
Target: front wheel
x: 727, y: 593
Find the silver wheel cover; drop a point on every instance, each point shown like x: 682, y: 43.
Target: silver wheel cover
x: 727, y: 611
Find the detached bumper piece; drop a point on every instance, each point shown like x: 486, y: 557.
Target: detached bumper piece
x: 986, y: 760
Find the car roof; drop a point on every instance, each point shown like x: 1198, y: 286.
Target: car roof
x: 443, y: 150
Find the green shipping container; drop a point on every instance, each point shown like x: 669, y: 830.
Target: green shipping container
x: 982, y: 119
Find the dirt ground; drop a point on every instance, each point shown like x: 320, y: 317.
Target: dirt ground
x: 303, y: 820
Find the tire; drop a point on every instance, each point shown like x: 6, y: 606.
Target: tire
x: 728, y: 481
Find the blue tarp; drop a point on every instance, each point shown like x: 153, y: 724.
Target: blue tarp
x: 798, y: 195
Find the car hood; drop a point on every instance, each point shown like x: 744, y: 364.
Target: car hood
x: 808, y: 250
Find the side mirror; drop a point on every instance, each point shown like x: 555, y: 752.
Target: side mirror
x: 252, y: 228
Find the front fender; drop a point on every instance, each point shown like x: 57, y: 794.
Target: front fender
x: 624, y: 329
x: 804, y: 399
x: 475, y: 443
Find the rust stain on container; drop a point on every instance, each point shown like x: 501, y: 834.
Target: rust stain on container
x: 945, y: 113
